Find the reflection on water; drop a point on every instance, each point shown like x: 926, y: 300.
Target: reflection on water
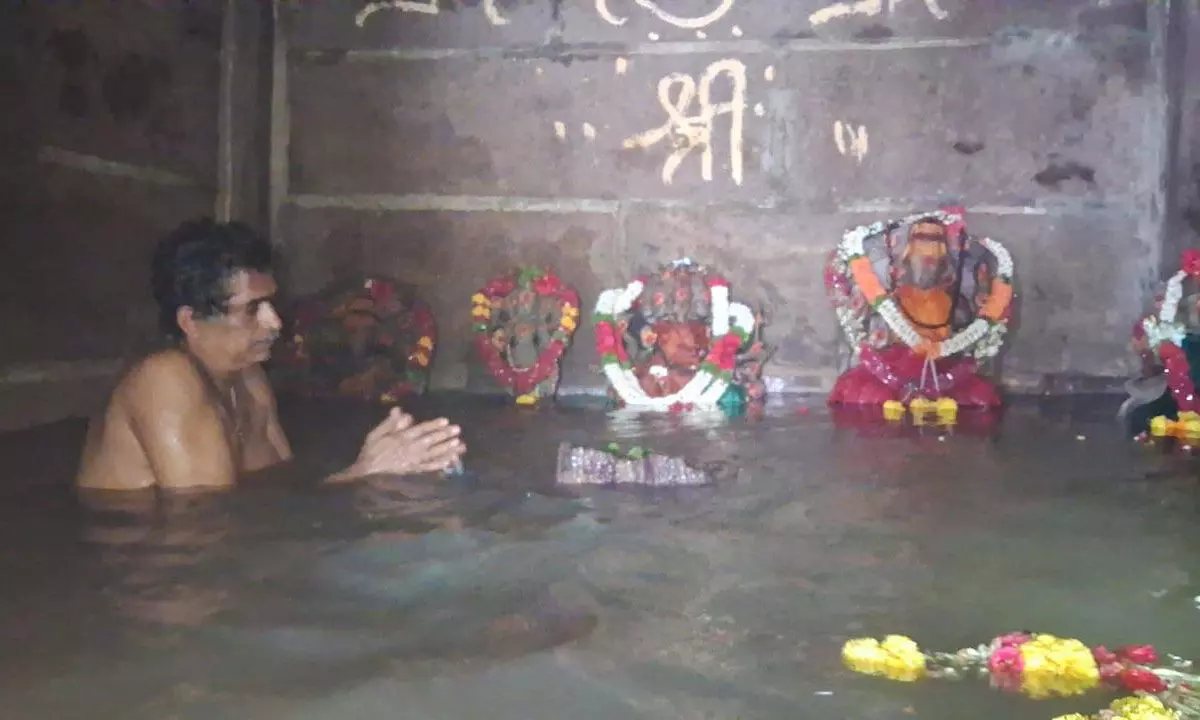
x: 511, y: 598
x: 154, y: 554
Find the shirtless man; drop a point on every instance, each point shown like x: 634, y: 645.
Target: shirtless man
x: 201, y: 413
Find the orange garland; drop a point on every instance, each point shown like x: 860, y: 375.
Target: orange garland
x: 866, y: 279
x: 998, y: 301
x: 868, y: 283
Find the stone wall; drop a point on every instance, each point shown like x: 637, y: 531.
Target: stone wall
x: 1184, y: 228
x: 108, y: 138
x: 445, y: 142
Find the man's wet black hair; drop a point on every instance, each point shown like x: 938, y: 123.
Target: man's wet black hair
x: 192, y: 266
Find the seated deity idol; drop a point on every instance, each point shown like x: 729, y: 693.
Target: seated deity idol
x: 919, y: 309
x: 1167, y: 342
x: 662, y: 345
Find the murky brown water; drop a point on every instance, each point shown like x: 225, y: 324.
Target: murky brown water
x: 512, y: 599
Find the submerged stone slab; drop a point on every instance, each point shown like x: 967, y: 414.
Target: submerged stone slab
x: 578, y: 465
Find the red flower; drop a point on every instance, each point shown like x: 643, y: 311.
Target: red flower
x: 547, y: 285
x: 1189, y: 262
x: 1139, y: 654
x: 1140, y: 679
x: 380, y: 291
x: 1013, y: 639
x: 606, y: 338
x: 717, y: 281
x: 1110, y: 674
x: 1170, y: 352
x: 1104, y: 656
x: 1005, y: 665
x: 499, y: 287
x: 724, y: 352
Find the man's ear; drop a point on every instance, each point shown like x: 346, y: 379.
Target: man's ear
x: 185, y: 317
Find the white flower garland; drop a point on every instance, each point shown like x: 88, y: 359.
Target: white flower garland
x: 1166, y: 326
x: 704, y: 389
x: 971, y: 337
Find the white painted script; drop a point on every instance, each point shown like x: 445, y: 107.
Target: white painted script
x: 424, y: 7
x: 851, y: 142
x: 691, y: 132
x: 868, y: 8
x: 686, y: 22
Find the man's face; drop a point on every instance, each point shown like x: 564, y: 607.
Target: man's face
x: 243, y: 335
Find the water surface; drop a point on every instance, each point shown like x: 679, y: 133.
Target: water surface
x: 510, y: 598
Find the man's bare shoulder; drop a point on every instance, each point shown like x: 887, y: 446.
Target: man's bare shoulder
x: 165, y: 376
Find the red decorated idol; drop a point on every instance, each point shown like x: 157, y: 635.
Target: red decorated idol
x: 673, y: 340
x: 523, y: 324
x: 368, y: 338
x: 921, y: 304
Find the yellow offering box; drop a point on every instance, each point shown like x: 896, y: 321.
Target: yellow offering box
x: 893, y: 410
x: 921, y: 406
x: 947, y: 410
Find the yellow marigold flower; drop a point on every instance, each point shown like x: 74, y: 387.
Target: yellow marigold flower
x: 1159, y: 426
x: 896, y: 658
x: 425, y: 342
x: 1142, y: 707
x: 481, y: 299
x: 1191, y: 429
x: 863, y: 655
x: 567, y: 322
x: 1057, y: 667
x: 570, y: 310
x: 480, y: 313
x: 527, y: 399
x: 421, y: 359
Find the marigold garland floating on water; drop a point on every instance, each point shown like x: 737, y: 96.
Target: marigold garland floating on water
x: 1041, y: 666
x: 896, y: 658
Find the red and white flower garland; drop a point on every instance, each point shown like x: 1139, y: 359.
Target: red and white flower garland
x: 522, y: 381
x: 1165, y: 334
x: 710, y: 381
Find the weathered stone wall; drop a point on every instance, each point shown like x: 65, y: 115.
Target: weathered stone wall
x: 445, y: 142
x: 108, y: 138
x: 1184, y: 228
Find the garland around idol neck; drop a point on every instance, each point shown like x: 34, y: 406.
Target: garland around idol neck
x: 983, y: 337
x: 731, y: 325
